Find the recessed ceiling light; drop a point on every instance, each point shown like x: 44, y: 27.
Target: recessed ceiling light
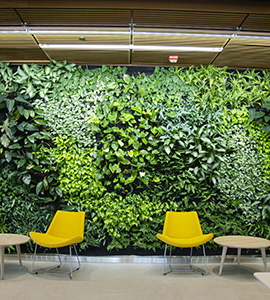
x: 129, y: 47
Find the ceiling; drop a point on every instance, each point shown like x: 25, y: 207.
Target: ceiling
x: 241, y: 28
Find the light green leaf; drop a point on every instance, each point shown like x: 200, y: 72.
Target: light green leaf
x: 20, y: 127
x: 21, y: 163
x: 31, y: 127
x: 114, y: 146
x: 121, y: 144
x: 8, y: 156
x: 31, y: 138
x: 45, y: 184
x: 39, y: 187
x: 167, y: 149
x: 15, y: 146
x: 26, y: 113
x: 5, y: 141
x: 26, y: 179
x: 210, y: 160
x: 20, y: 109
x: 21, y: 98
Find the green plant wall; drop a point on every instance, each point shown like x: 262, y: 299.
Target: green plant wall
x: 127, y: 147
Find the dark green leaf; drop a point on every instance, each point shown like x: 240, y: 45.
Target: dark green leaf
x: 10, y: 104
x: 15, y: 146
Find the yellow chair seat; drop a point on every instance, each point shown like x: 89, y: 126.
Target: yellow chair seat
x: 49, y: 241
x: 183, y: 230
x: 187, y: 242
x: 66, y: 229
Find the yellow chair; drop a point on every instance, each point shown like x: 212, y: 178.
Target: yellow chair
x: 183, y: 229
x: 66, y: 229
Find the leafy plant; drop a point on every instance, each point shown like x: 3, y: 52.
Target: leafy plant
x: 261, y: 116
x: 21, y: 210
x: 77, y: 175
x: 127, y: 147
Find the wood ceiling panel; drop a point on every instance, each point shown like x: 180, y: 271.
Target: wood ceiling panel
x: 251, y: 42
x: 22, y: 41
x: 237, y: 55
x: 11, y: 54
x: 257, y: 22
x: 90, y: 57
x: 259, y: 6
x: 187, y: 19
x: 9, y: 17
x: 179, y: 41
x: 54, y: 16
x: 161, y: 58
x: 89, y: 39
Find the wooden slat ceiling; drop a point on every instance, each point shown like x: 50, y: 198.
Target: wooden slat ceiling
x: 258, y: 22
x: 250, y: 19
x: 91, y: 57
x: 57, y: 16
x: 187, y: 19
x: 255, y: 57
x: 9, y: 17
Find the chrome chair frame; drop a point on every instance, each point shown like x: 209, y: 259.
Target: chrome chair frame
x: 60, y: 261
x: 190, y: 262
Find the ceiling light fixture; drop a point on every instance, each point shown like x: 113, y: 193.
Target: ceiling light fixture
x: 238, y: 34
x: 184, y: 34
x: 66, y: 32
x: 129, y: 47
x: 79, y: 32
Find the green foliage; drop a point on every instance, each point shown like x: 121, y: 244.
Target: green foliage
x: 219, y: 88
x: 22, y: 134
x: 190, y: 151
x: 261, y: 116
x: 241, y: 171
x: 23, y: 211
x: 132, y: 221
x: 76, y: 172
x: 125, y: 149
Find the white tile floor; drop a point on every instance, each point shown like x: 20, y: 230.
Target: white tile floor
x: 121, y: 281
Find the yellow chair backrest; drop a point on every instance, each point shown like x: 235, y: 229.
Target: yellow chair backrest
x: 67, y: 224
x: 182, y: 225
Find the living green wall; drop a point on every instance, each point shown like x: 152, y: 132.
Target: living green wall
x: 126, y: 147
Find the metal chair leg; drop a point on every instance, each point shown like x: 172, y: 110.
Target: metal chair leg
x: 190, y: 262
x: 190, y: 258
x: 34, y: 258
x: 164, y: 260
x: 205, y: 262
x: 53, y: 270
x: 60, y: 262
x: 70, y: 258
